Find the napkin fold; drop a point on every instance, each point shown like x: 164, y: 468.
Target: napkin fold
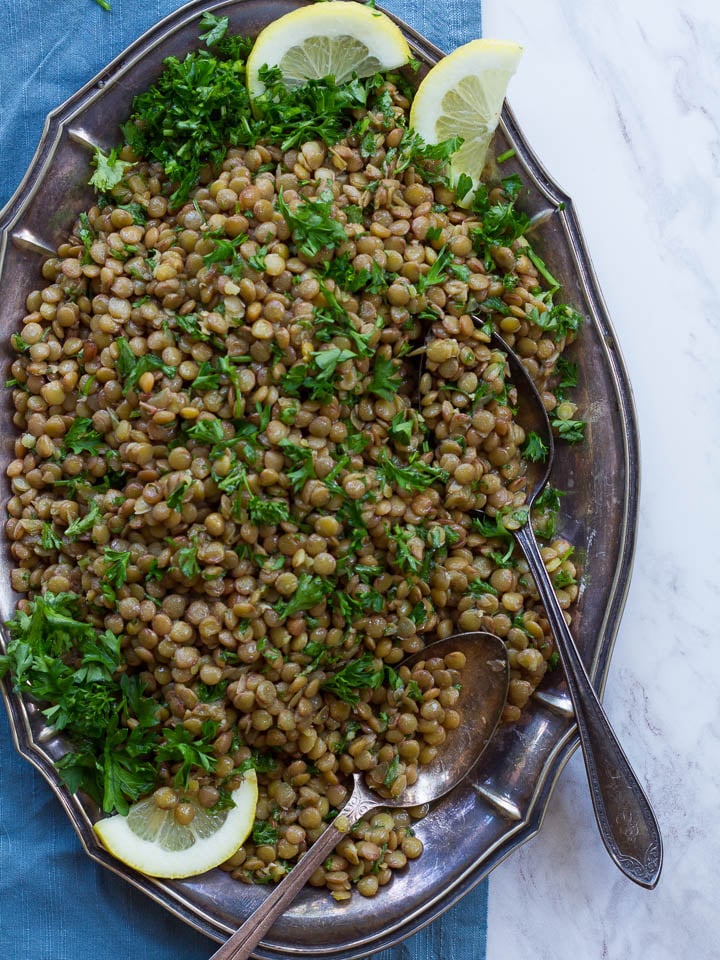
x: 56, y: 903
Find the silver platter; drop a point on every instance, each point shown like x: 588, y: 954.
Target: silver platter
x: 469, y: 832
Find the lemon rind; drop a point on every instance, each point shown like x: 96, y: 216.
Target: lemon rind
x: 336, y: 18
x: 147, y: 858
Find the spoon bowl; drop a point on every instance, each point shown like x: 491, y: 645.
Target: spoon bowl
x: 625, y: 818
x: 483, y: 692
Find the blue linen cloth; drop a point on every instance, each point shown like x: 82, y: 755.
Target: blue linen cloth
x: 56, y: 903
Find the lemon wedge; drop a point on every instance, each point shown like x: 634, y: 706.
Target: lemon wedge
x: 462, y: 96
x: 336, y: 38
x: 151, y: 841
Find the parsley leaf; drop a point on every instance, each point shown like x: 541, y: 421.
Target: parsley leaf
x: 131, y: 368
x: 206, y: 378
x: 501, y: 222
x: 264, y: 832
x: 82, y: 436
x: 572, y: 431
x: 309, y: 593
x: 545, y: 511
x: 49, y: 540
x: 386, y: 378
x: 463, y: 186
x: 414, y: 475
x: 357, y: 675
x: 176, y: 498
x: 117, y: 564
x: 404, y: 557
x: 183, y: 747
x: 186, y: 560
x: 312, y: 223
x: 559, y: 320
x: 429, y: 158
x: 82, y: 525
x: 401, y: 429
x: 215, y: 27
x: 567, y: 371
x: 267, y: 511
x: 437, y: 272
x: 302, y: 465
x: 109, y: 170
x: 534, y: 448
x: 479, y: 588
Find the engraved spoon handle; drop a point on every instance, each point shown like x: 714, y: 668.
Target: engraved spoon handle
x: 625, y: 818
x: 242, y: 942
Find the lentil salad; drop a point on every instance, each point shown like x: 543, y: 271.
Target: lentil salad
x: 203, y: 394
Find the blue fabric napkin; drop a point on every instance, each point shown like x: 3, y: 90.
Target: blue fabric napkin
x: 56, y: 903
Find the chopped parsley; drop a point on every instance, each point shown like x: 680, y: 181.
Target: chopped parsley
x: 360, y: 674
x: 65, y: 663
x: 193, y: 110
x: 309, y: 593
x: 313, y: 224
x: 559, y: 321
x: 49, y: 540
x: 480, y: 588
x: 572, y: 431
x: 84, y: 524
x: 109, y: 170
x: 186, y: 560
x: 386, y: 379
x: 416, y: 474
x: 117, y: 564
x: 534, y: 448
x: 82, y: 437
x: 131, y: 368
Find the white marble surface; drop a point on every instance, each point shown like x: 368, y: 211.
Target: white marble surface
x: 621, y: 101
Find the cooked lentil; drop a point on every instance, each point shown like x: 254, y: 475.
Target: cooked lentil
x: 200, y: 395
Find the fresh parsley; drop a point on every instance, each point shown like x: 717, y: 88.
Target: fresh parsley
x: 360, y: 674
x: 386, y: 378
x: 84, y: 524
x: 82, y: 437
x: 131, y: 368
x: 416, y: 474
x: 186, y: 560
x: 109, y: 170
x: 188, y: 116
x: 309, y: 593
x: 312, y: 223
x: 190, y: 751
x: 117, y: 563
x: 534, y: 448
x: 572, y: 431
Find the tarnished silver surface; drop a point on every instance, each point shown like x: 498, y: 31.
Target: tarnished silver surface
x: 481, y: 822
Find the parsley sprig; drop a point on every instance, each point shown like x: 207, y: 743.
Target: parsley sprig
x: 360, y: 674
x: 312, y: 223
x: 61, y: 660
x: 416, y: 474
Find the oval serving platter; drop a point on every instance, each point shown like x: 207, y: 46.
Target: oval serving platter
x: 503, y: 805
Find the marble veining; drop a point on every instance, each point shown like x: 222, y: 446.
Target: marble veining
x: 621, y: 101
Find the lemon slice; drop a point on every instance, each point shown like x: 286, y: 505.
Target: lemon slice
x: 149, y: 840
x: 339, y: 38
x: 462, y: 96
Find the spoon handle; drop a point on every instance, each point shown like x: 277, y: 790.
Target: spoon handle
x: 627, y: 824
x: 245, y: 939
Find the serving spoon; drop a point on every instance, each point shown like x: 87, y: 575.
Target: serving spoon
x: 480, y: 704
x: 625, y: 818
